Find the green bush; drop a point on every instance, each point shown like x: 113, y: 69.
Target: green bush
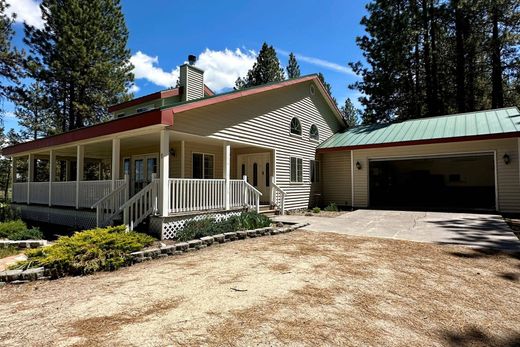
x: 27, y: 234
x: 209, y: 226
x: 332, y: 207
x: 101, y: 249
x: 17, y: 230
x: 8, y: 251
x: 7, y: 213
x: 316, y: 210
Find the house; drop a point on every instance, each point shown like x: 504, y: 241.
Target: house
x: 185, y: 153
x: 181, y: 154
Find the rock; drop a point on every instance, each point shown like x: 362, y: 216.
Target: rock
x: 181, y: 246
x: 32, y: 274
x: 19, y: 282
x: 220, y: 238
x: 207, y: 240
x: 275, y: 231
x: 168, y: 249
x: 194, y: 243
x: 231, y: 236
x: 139, y: 254
x: 279, y: 224
x: 10, y: 275
x: 251, y: 233
x: 242, y: 234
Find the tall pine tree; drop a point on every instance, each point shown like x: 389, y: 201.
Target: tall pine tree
x: 10, y: 59
x: 293, y: 69
x: 32, y: 112
x: 327, y: 86
x: 81, y: 59
x: 349, y: 113
x: 266, y: 69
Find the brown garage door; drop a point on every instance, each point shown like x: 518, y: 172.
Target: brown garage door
x: 451, y: 182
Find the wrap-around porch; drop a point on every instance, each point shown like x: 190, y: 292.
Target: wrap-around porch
x: 162, y: 173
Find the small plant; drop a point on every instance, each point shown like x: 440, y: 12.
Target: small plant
x: 27, y: 234
x: 8, y: 251
x: 101, y: 249
x: 253, y: 220
x: 316, y: 210
x: 17, y: 230
x: 332, y: 207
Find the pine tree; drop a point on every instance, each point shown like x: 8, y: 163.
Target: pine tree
x: 10, y: 59
x: 293, y: 69
x: 327, y: 87
x: 32, y: 111
x: 81, y: 59
x: 349, y: 113
x: 266, y: 69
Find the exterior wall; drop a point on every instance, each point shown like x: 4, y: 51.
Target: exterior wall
x: 264, y: 121
x: 192, y: 79
x: 508, y: 177
x: 152, y: 104
x: 336, y: 182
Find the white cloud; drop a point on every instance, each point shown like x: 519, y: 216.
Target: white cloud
x: 134, y: 88
x: 145, y: 68
x: 321, y: 63
x: 221, y: 68
x: 27, y: 11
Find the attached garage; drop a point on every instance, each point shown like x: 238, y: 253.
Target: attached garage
x: 435, y: 182
x: 467, y: 161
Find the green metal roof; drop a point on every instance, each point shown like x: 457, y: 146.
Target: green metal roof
x: 481, y: 123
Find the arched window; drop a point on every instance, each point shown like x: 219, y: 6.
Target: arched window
x: 296, y: 127
x: 314, y: 133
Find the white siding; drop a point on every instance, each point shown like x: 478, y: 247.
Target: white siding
x: 264, y: 120
x: 508, y: 177
x: 336, y: 184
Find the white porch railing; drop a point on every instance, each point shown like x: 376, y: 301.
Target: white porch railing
x: 277, y: 197
x: 39, y: 192
x: 109, y: 207
x: 141, y: 205
x: 20, y: 192
x: 63, y: 194
x: 92, y: 191
x: 187, y: 195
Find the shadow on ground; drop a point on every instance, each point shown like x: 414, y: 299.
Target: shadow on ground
x: 476, y: 337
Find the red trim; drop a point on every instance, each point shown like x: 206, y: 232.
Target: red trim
x: 208, y: 91
x: 153, y: 117
x: 236, y: 95
x: 422, y: 142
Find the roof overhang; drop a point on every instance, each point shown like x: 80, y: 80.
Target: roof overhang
x: 422, y: 142
x: 142, y: 120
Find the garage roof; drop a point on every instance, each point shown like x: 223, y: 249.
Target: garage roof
x: 503, y: 122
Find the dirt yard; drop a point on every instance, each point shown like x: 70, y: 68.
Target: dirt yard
x: 301, y: 288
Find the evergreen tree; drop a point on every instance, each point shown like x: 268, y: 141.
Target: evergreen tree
x: 81, y: 59
x: 10, y: 58
x: 349, y: 113
x: 32, y: 112
x: 293, y: 69
x: 266, y: 69
x: 327, y: 87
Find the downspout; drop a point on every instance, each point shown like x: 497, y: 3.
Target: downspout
x: 352, y: 178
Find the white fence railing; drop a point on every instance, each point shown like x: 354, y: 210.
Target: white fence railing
x: 63, y: 194
x: 186, y: 195
x: 277, y: 197
x: 141, y: 205
x: 20, y: 192
x: 39, y: 192
x: 109, y: 207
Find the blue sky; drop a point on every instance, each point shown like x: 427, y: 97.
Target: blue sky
x: 226, y: 35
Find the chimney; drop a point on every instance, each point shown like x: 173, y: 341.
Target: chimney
x: 191, y: 80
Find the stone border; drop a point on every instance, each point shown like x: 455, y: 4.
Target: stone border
x: 24, y: 276
x: 23, y: 243
x: 193, y: 245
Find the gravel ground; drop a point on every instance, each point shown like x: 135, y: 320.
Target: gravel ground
x: 301, y: 288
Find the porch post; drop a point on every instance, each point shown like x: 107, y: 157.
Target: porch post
x: 30, y: 176
x: 183, y: 158
x: 80, y: 155
x: 116, y: 151
x: 227, y: 167
x: 164, y: 173
x: 52, y: 173
x: 13, y: 176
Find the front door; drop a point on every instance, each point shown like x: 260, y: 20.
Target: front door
x: 258, y: 169
x: 143, y: 168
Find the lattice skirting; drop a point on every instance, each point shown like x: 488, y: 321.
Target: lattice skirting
x: 58, y: 216
x: 166, y: 227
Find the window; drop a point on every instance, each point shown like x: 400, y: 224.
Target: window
x: 296, y: 127
x: 315, y: 171
x: 126, y: 166
x: 311, y: 89
x: 267, y: 175
x: 122, y: 114
x: 243, y: 170
x: 314, y: 134
x: 202, y: 166
x: 296, y: 169
x: 255, y: 174
x: 143, y: 109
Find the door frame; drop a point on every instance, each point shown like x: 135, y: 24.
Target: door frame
x: 267, y: 155
x: 438, y: 156
x: 145, y: 158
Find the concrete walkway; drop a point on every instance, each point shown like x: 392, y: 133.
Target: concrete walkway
x: 476, y: 230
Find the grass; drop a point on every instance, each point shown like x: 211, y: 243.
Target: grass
x: 8, y: 251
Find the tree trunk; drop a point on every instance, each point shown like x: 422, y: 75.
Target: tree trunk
x: 497, y: 93
x: 437, y: 102
x: 461, y: 63
x: 426, y: 54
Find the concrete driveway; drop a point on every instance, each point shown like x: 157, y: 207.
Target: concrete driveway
x: 471, y: 229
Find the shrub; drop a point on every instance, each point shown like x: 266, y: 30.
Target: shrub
x: 101, y: 249
x: 209, y: 226
x: 17, y: 230
x: 27, y: 234
x: 332, y: 207
x: 7, y: 213
x: 316, y: 210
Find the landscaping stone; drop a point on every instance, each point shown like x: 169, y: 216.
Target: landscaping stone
x: 137, y: 255
x: 32, y: 274
x: 251, y: 233
x: 169, y: 249
x: 220, y: 238
x: 181, y: 246
x: 194, y: 243
x: 275, y: 231
x: 231, y: 236
x: 207, y: 240
x: 10, y: 275
x: 19, y: 282
x: 242, y: 234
